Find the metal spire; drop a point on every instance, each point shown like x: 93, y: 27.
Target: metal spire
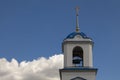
x: 77, y: 22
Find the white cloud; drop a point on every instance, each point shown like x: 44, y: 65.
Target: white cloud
x: 39, y: 69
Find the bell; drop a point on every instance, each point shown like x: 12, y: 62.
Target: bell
x: 77, y: 60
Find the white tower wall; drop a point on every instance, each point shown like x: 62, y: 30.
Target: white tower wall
x: 68, y: 47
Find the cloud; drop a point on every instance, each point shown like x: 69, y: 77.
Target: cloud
x: 38, y: 69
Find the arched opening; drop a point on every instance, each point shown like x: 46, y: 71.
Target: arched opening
x: 78, y: 56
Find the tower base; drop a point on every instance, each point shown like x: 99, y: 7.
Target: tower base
x: 79, y: 73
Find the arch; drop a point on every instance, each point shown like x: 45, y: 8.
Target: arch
x: 78, y: 55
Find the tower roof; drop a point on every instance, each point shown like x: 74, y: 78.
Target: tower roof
x: 73, y: 34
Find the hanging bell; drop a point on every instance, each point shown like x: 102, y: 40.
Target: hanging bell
x: 77, y: 60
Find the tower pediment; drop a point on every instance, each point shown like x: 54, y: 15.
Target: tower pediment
x: 78, y: 78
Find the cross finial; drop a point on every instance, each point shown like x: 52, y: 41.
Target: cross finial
x: 77, y: 22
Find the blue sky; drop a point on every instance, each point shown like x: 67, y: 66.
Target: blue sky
x: 30, y: 29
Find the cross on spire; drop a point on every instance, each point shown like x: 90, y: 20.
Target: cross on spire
x: 77, y: 22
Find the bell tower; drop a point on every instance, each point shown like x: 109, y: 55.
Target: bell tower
x: 78, y: 57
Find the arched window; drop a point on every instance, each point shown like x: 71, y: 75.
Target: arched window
x: 78, y: 56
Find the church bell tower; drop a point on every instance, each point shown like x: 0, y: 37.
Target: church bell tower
x: 78, y: 57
